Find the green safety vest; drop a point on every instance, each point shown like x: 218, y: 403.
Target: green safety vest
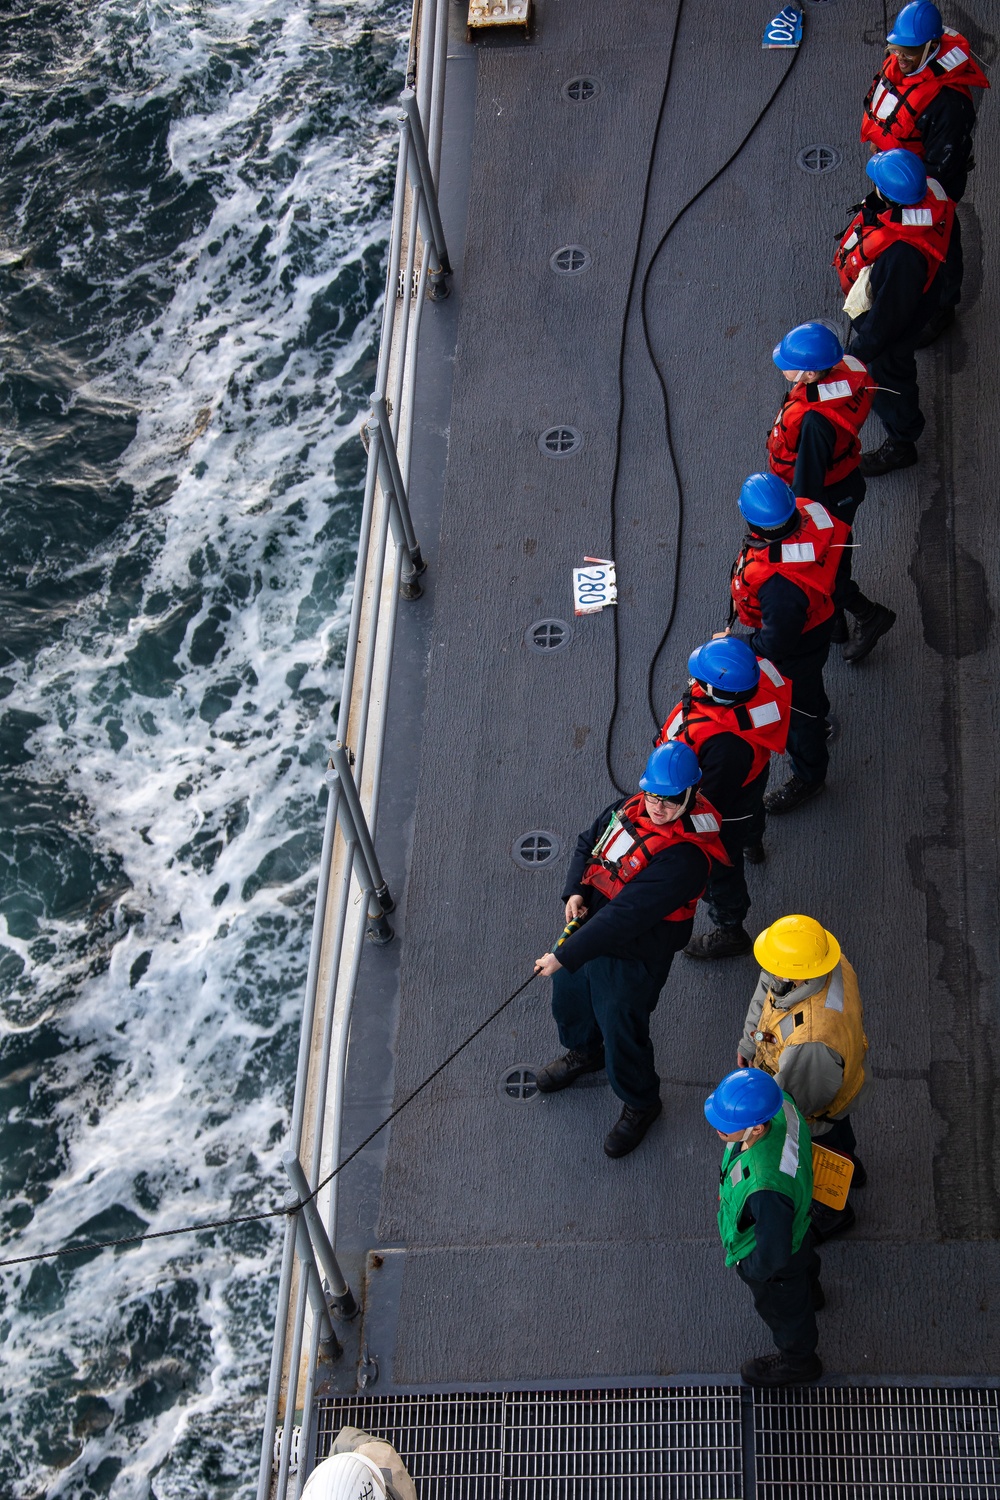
x: 780, y: 1162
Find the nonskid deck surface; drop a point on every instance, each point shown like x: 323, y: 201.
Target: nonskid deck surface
x: 523, y: 1253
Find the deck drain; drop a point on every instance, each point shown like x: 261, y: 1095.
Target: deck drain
x: 517, y: 1084
x: 581, y: 90
x: 560, y: 442
x: 535, y: 848
x: 570, y: 260
x: 816, y: 159
x: 548, y: 635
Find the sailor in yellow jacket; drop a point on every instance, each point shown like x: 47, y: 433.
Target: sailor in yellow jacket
x: 805, y: 1027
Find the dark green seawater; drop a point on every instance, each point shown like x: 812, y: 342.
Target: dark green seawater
x: 193, y: 210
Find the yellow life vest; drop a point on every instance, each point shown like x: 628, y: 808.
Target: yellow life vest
x: 832, y: 1016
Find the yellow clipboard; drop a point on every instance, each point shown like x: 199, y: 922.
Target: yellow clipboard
x: 832, y: 1175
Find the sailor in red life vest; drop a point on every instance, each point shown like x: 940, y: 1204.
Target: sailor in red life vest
x: 782, y: 595
x: 815, y: 446
x: 921, y: 100
x: 889, y: 264
x: 634, y: 882
x: 735, y: 716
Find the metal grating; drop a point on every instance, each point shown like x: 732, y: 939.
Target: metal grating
x: 677, y: 1444
x: 887, y: 1443
x: 450, y: 1443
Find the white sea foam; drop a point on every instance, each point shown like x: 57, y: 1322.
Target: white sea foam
x: 169, y: 1099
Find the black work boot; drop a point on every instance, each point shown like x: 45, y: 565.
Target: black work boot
x: 630, y: 1129
x: 792, y: 795
x: 827, y: 1221
x: 859, y: 1176
x: 565, y: 1070
x: 721, y: 942
x: 891, y: 455
x: 782, y: 1369
x: 840, y: 634
x: 867, y: 630
x: 935, y: 326
x: 754, y: 854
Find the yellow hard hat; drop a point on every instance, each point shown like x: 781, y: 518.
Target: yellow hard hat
x: 797, y: 948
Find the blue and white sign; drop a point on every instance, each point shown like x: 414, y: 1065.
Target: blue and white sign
x: 785, y: 30
x: 595, y: 586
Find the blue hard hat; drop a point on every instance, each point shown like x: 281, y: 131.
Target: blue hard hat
x: 727, y: 665
x: 745, y: 1097
x: 810, y: 346
x: 766, y: 501
x: 917, y: 24
x: 899, y: 176
x: 670, y: 770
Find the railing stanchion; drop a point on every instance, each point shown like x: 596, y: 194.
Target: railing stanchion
x: 380, y: 902
x: 399, y: 505
x: 438, y: 278
x: 339, y: 1292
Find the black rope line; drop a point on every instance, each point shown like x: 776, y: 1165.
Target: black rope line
x: 616, y: 697
x: 668, y: 425
x: 613, y: 530
x: 274, y: 1213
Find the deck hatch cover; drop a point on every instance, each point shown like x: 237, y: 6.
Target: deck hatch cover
x: 676, y: 1444
x: 886, y: 1443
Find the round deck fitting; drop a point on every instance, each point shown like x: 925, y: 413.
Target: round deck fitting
x: 535, y: 849
x: 516, y: 1084
x: 816, y: 159
x: 581, y: 90
x: 570, y: 260
x: 548, y: 635
x: 560, y: 442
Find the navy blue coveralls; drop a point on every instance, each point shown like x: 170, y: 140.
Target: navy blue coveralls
x: 800, y: 655
x: 616, y: 964
x: 725, y: 760
x: 813, y: 458
x: 886, y: 336
x: 781, y: 1282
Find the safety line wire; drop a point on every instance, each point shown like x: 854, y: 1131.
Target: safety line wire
x: 275, y: 1213
x: 616, y: 698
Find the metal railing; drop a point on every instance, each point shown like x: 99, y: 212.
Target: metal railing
x: 353, y: 899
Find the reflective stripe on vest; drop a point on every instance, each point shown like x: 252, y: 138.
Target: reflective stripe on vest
x: 631, y: 840
x: 762, y: 722
x: 926, y: 226
x: 844, y: 399
x: 896, y: 101
x: 780, y: 1162
x: 832, y: 1016
x: 811, y: 564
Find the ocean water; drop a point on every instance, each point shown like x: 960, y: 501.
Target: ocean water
x: 193, y: 207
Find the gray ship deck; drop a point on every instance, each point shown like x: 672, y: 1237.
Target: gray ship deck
x: 510, y: 1250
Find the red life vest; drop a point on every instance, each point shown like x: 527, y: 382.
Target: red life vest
x: 762, y: 722
x: 844, y: 397
x: 925, y: 225
x: 809, y: 558
x: 632, y: 839
x: 895, y: 102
